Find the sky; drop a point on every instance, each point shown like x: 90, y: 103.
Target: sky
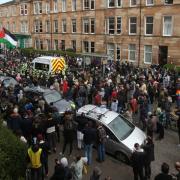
x: 3, y: 1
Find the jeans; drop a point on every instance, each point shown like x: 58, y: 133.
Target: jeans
x: 37, y: 174
x: 101, y: 152
x: 88, y: 152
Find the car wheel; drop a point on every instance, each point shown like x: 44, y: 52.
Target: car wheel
x: 122, y: 157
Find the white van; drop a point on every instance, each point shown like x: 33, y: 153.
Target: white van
x: 49, y: 64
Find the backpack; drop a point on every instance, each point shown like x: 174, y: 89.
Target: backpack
x: 101, y: 134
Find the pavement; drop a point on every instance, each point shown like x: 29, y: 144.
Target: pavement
x: 166, y: 150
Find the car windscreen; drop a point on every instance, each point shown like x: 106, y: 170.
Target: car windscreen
x: 9, y: 81
x: 121, y: 127
x: 53, y: 96
x: 41, y: 66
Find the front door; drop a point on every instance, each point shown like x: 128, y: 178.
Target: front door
x: 163, y: 55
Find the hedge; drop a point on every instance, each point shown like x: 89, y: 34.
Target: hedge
x: 29, y: 51
x: 12, y: 156
x: 172, y: 67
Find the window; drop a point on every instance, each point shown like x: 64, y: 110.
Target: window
x: 167, y: 26
x: 56, y: 44
x: 111, y: 25
x: 48, y: 44
x: 38, y: 44
x: 119, y: 3
x: 55, y: 6
x: 132, y: 25
x: 86, y: 46
x: 63, y: 46
x: 74, y: 5
x: 56, y: 26
x: 168, y: 1
x: 73, y: 42
x: 148, y: 54
x: 24, y: 26
x: 48, y: 27
x: 64, y: 25
x: 73, y: 25
x: 132, y: 52
x: 110, y: 51
x: 118, y: 28
x: 86, y: 25
x: 38, y: 26
x: 149, y: 25
x: 111, y: 3
x: 118, y: 52
x: 149, y: 2
x: 92, y: 25
x: 13, y: 27
x: 47, y: 7
x: 92, y: 47
x: 133, y: 2
x: 23, y: 9
x: 37, y: 7
x: 89, y: 4
x: 63, y: 5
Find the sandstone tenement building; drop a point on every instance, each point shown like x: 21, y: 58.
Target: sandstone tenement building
x: 139, y: 31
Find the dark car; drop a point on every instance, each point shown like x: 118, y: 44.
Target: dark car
x: 51, y: 96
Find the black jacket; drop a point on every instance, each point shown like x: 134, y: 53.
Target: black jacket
x: 137, y: 159
x: 149, y: 152
x: 89, y: 135
x: 163, y: 176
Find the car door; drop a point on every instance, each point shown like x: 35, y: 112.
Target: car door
x: 112, y: 143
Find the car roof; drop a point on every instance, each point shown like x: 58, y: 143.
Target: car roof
x: 5, y: 77
x: 38, y: 89
x: 102, y: 114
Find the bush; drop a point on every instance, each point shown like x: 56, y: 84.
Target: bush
x: 12, y: 156
x: 172, y: 67
x: 29, y: 51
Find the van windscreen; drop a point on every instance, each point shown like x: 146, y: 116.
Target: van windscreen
x: 42, y: 67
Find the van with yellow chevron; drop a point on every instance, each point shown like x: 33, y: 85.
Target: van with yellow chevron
x: 49, y: 64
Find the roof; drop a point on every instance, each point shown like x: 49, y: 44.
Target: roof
x: 38, y: 89
x: 102, y: 114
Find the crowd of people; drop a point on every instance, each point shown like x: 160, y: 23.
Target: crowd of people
x: 146, y: 96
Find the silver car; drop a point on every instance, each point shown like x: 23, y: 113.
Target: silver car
x: 121, y: 133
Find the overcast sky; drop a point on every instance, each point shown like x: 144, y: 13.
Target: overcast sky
x: 3, y: 1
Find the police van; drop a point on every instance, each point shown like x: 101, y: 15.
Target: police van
x: 49, y: 64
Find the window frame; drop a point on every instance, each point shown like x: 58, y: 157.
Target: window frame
x: 64, y: 5
x: 145, y: 28
x: 129, y: 52
x: 117, y: 25
x: 74, y: 5
x: 55, y: 6
x: 64, y: 26
x: 130, y: 26
x: 145, y: 52
x: 168, y: 3
x: 91, y: 47
x: 39, y: 7
x: 131, y: 3
x: 167, y: 35
x: 91, y: 25
x: 110, y: 29
x: 56, y: 28
x: 113, y: 50
x: 149, y: 4
x: 74, y: 20
x: 84, y: 46
x: 85, y: 26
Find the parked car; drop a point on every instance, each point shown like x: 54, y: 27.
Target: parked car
x: 121, y: 133
x: 7, y: 81
x: 51, y: 96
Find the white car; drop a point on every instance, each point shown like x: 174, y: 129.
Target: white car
x: 121, y: 133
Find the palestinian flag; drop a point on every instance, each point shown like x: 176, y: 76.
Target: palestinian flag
x: 7, y: 38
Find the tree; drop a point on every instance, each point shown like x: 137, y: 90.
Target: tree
x: 12, y: 155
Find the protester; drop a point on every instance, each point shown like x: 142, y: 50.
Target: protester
x: 164, y: 175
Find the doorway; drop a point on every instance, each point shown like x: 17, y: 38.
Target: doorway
x: 163, y: 55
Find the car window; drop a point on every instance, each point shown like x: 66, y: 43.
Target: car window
x: 111, y: 135
x: 121, y: 127
x: 7, y: 82
x: 52, y: 97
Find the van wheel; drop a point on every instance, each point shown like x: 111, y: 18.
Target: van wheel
x: 122, y: 157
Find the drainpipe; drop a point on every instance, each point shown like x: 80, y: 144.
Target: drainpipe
x: 51, y: 23
x: 140, y: 14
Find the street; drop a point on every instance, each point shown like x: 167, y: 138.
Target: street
x: 166, y: 150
